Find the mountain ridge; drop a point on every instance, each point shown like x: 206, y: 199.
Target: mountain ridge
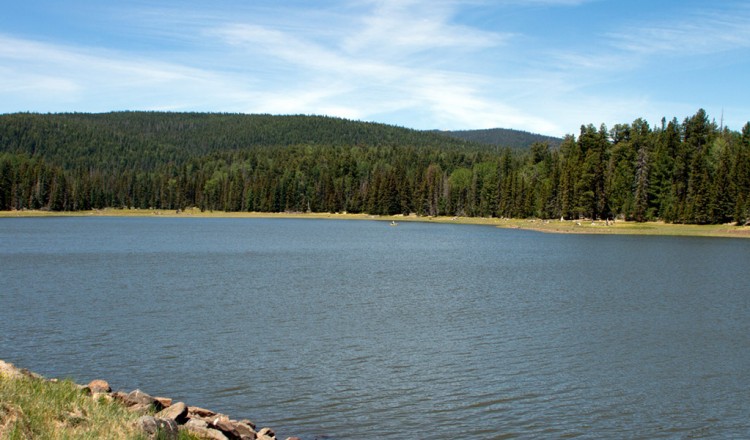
x: 503, y: 137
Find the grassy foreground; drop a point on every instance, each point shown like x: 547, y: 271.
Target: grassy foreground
x: 551, y: 226
x: 33, y: 408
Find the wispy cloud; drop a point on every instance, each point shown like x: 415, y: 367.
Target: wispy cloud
x: 381, y: 68
x: 54, y: 77
x: 705, y: 31
x: 403, y: 28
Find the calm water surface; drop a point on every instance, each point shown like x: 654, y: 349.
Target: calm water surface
x: 354, y: 329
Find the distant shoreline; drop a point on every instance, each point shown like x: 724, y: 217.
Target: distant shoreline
x: 549, y: 226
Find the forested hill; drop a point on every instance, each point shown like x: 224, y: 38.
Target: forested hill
x: 503, y: 137
x: 146, y: 140
x: 691, y: 171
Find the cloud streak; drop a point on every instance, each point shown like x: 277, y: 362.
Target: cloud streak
x: 381, y: 68
x: 703, y: 32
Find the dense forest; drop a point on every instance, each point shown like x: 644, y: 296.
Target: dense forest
x: 688, y: 172
x: 503, y: 136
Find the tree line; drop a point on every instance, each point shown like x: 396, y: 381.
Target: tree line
x: 685, y: 172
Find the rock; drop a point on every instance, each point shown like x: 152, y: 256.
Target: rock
x: 138, y: 397
x: 226, y: 426
x: 177, y: 412
x: 165, y: 402
x: 140, y: 408
x: 200, y: 413
x: 233, y: 429
x: 119, y: 396
x: 248, y: 423
x: 266, y: 434
x: 99, y: 386
x: 245, y: 430
x: 218, y: 418
x: 205, y: 433
x: 155, y: 427
x: 198, y: 423
x: 102, y: 397
x: 11, y: 371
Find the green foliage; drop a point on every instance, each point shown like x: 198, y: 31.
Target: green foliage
x: 686, y: 173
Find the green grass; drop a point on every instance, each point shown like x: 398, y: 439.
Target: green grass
x: 32, y: 408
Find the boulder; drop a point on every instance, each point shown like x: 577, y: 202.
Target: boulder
x: 198, y: 423
x: 140, y: 408
x: 11, y: 371
x: 226, y: 426
x: 155, y: 427
x: 195, y: 412
x: 177, y: 412
x: 107, y: 397
x: 204, y: 433
x: 245, y: 431
x: 120, y: 397
x: 138, y: 397
x: 164, y: 401
x: 99, y: 386
x: 233, y: 429
x: 248, y: 423
x: 266, y: 434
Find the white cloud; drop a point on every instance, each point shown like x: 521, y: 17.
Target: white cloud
x: 403, y: 28
x: 50, y: 77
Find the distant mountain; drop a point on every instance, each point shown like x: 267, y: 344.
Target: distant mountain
x: 147, y: 140
x: 503, y: 137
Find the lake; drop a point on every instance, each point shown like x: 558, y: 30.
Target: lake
x: 355, y: 329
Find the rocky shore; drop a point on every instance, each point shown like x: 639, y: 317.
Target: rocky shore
x: 161, y: 417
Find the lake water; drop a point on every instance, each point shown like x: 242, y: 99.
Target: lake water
x: 354, y: 329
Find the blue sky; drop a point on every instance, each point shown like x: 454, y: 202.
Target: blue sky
x: 544, y: 66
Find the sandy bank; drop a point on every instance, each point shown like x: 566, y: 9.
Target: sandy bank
x: 550, y: 226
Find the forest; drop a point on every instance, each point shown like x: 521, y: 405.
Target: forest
x: 694, y: 171
x: 503, y: 136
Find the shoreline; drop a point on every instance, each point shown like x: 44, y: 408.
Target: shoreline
x: 547, y: 226
x: 31, y: 404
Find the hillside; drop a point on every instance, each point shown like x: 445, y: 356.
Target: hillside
x: 145, y: 140
x: 503, y: 137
